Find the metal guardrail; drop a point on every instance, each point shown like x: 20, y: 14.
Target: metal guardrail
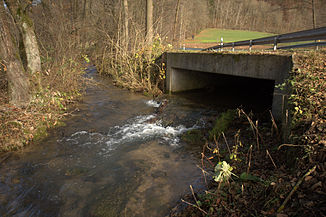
x: 306, y: 35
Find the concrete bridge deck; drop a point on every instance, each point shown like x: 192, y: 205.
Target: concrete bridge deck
x: 188, y: 71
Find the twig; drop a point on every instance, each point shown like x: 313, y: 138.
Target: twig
x: 295, y: 188
x: 249, y: 160
x: 5, y: 158
x: 290, y: 145
x: 274, y: 125
x: 202, y: 163
x: 193, y: 194
x: 257, y: 135
x: 194, y: 205
x: 204, y: 171
x: 227, y: 144
x: 237, y: 138
x: 267, y: 152
x: 217, y: 148
x: 208, y: 159
x: 254, y: 128
x: 208, y: 192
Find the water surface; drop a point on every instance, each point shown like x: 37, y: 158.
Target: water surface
x: 114, y: 157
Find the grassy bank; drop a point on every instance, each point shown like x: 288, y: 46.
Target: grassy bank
x: 53, y: 92
x: 250, y: 172
x: 212, y: 35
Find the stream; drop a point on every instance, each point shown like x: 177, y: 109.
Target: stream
x: 114, y: 157
x: 117, y: 156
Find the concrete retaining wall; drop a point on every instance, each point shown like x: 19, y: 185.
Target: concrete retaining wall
x: 185, y: 72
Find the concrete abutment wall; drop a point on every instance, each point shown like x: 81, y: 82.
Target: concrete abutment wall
x: 188, y: 71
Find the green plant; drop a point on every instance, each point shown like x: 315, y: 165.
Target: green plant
x: 222, y: 123
x: 194, y: 137
x: 235, y: 150
x: 308, y: 84
x: 86, y: 58
x: 223, y: 172
x: 248, y: 177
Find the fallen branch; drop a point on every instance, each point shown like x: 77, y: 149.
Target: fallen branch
x: 295, y: 188
x: 290, y: 145
x: 194, y: 205
x: 226, y: 142
x: 254, y: 128
x: 249, y: 158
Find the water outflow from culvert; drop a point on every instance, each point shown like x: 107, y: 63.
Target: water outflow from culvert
x: 119, y: 155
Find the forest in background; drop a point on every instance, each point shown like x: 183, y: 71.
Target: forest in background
x: 92, y: 23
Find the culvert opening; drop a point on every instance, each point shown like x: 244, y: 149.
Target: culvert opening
x: 231, y: 92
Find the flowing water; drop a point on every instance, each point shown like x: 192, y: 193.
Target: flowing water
x: 117, y: 156
x: 114, y: 157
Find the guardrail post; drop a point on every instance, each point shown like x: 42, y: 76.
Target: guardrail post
x: 275, y: 44
x: 250, y: 45
x: 222, y: 44
x: 233, y: 46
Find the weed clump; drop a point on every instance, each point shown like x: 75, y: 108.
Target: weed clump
x: 140, y: 69
x: 222, y: 123
x: 194, y: 137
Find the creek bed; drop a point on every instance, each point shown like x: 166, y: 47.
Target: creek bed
x: 121, y: 154
x: 114, y: 157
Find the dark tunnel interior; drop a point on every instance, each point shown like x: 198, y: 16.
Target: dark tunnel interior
x: 231, y: 92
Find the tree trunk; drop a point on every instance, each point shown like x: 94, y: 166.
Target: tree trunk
x: 31, y: 49
x: 84, y: 9
x: 149, y: 21
x: 181, y: 24
x: 18, y: 11
x: 126, y: 28
x: 313, y: 14
x: 238, y: 15
x: 18, y: 81
x: 175, y: 20
x: 161, y: 17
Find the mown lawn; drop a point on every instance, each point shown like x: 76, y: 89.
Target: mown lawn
x: 212, y: 35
